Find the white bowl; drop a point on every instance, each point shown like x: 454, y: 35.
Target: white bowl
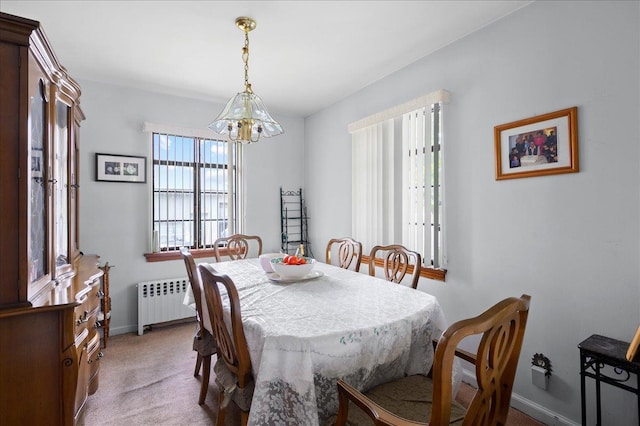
x: 265, y: 260
x: 292, y: 271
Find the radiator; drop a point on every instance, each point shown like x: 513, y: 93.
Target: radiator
x: 161, y: 300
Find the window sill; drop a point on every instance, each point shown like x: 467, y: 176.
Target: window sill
x: 431, y: 273
x: 175, y: 255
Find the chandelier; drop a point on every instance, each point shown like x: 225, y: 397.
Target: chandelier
x: 245, y: 117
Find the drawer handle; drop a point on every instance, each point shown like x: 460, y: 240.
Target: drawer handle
x: 100, y: 293
x: 83, y: 318
x: 100, y: 355
x: 97, y: 324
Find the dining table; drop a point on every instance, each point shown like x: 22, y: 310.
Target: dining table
x: 305, y: 334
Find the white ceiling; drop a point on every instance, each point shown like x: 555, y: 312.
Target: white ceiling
x: 304, y: 55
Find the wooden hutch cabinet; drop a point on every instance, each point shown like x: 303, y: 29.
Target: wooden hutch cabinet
x: 49, y: 291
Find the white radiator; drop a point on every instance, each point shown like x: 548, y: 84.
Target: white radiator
x: 161, y: 300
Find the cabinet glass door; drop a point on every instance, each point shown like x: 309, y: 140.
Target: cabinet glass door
x: 61, y: 208
x: 38, y: 262
x: 73, y: 193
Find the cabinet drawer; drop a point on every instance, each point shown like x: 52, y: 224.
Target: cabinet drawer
x: 94, y: 362
x: 87, y: 310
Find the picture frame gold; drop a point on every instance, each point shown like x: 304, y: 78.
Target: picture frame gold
x: 543, y: 145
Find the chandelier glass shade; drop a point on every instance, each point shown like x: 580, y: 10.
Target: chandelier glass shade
x: 245, y: 117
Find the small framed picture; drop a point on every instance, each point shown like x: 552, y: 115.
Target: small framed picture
x: 121, y: 168
x: 542, y: 145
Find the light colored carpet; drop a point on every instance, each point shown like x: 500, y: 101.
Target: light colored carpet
x: 148, y: 380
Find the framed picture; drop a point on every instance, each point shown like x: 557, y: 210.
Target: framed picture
x: 36, y: 163
x: 121, y: 168
x: 542, y: 145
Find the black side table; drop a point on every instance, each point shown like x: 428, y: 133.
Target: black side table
x: 598, y: 351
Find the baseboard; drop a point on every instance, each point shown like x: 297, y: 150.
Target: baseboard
x: 539, y: 412
x: 113, y: 331
x: 530, y: 408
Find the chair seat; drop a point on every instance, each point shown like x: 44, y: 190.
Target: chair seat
x: 496, y: 359
x: 204, y: 343
x: 228, y: 384
x: 409, y: 397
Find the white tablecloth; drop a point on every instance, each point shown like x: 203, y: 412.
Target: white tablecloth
x: 303, y: 336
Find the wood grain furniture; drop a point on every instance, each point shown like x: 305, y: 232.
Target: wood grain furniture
x: 603, y: 360
x: 348, y: 252
x: 237, y: 246
x: 502, y: 330
x: 342, y: 324
x: 233, y: 368
x: 104, y: 316
x: 203, y: 342
x: 397, y: 261
x: 49, y: 290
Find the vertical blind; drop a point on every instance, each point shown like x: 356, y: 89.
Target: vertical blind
x: 372, y: 184
x: 406, y: 136
x: 422, y: 183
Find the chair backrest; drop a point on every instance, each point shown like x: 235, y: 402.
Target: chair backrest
x: 502, y: 329
x: 348, y: 250
x: 232, y: 344
x: 196, y: 284
x: 237, y: 246
x: 397, y: 262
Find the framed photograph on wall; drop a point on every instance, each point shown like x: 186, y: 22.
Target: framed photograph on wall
x: 121, y: 168
x: 542, y: 145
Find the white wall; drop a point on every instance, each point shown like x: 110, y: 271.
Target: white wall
x: 570, y: 241
x: 115, y: 217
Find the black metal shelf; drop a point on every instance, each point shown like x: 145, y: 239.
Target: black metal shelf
x: 294, y: 226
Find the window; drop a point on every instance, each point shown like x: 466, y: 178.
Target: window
x: 397, y: 179
x: 422, y: 184
x: 195, y: 190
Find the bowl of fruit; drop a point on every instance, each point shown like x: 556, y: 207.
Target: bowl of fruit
x: 265, y: 260
x: 292, y: 267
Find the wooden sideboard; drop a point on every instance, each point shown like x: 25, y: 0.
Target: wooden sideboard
x: 50, y: 293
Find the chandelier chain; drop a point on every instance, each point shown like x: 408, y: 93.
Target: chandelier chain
x: 245, y: 58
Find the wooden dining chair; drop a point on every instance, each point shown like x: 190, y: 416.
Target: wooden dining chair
x: 348, y: 250
x: 233, y: 367
x: 501, y: 328
x: 203, y: 342
x: 237, y: 246
x: 397, y: 261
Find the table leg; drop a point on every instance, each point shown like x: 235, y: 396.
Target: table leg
x: 583, y: 404
x: 638, y: 395
x: 598, y: 414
